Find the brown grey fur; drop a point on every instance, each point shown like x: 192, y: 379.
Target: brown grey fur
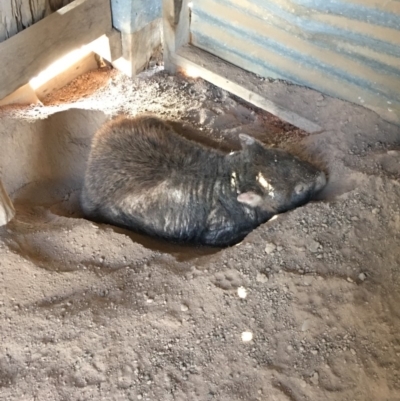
x: 144, y: 176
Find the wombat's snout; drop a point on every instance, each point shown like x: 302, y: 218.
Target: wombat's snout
x: 320, y: 182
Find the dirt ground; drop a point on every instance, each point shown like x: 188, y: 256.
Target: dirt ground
x: 305, y: 308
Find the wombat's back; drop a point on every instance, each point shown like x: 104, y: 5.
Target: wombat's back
x: 144, y: 176
x: 137, y: 156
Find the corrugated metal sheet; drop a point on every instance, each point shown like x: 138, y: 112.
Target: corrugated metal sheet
x: 346, y: 48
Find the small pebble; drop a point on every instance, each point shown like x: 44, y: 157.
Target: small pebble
x: 269, y: 248
x: 314, y: 246
x: 261, y: 278
x: 242, y: 292
x: 362, y: 276
x: 315, y: 378
x: 184, y: 308
x: 305, y: 326
x: 247, y: 336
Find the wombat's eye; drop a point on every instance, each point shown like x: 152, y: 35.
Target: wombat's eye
x: 299, y: 188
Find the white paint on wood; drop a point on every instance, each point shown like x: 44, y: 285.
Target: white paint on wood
x: 239, y: 82
x: 25, y: 55
x: 7, y: 211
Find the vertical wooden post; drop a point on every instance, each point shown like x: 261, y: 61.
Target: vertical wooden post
x: 138, y: 47
x: 176, y: 25
x: 140, y: 24
x: 7, y: 211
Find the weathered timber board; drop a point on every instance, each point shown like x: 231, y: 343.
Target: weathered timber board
x: 17, y: 15
x: 239, y: 82
x: 176, y: 22
x: 26, y: 54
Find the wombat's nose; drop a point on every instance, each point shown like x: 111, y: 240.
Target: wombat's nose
x: 320, y: 182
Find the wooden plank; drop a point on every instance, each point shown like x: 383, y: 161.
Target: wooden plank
x: 29, y: 52
x: 23, y: 95
x: 176, y: 23
x: 138, y: 48
x: 239, y: 82
x: 108, y: 46
x: 16, y: 15
x: 85, y: 64
x: 7, y: 211
x: 144, y: 43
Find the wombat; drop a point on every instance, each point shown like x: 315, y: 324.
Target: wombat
x: 143, y: 176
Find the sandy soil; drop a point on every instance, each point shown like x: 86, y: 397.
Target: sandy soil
x: 91, y: 312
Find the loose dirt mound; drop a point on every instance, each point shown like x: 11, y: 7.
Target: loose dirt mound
x: 89, y: 311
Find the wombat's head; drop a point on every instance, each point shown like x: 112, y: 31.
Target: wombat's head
x: 275, y: 180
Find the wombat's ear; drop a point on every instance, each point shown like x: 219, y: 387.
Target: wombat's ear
x: 246, y: 140
x: 250, y: 199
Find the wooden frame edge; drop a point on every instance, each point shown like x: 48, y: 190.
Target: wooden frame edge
x: 178, y: 54
x: 176, y: 25
x: 188, y: 57
x: 27, y: 53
